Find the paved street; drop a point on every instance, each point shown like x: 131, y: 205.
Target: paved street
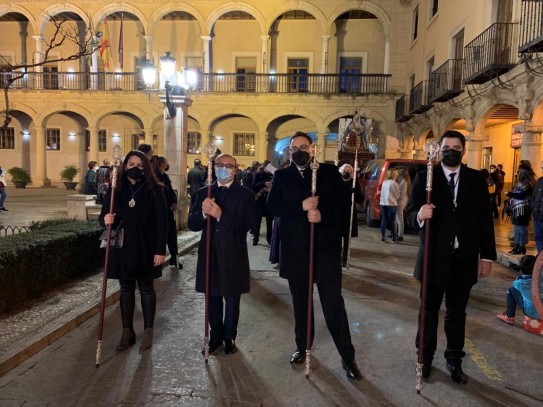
x: 504, y: 363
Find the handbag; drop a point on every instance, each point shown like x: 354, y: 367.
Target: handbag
x: 117, y: 237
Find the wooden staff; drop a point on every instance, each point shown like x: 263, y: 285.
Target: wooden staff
x: 117, y: 155
x: 314, y: 151
x: 536, y: 282
x: 430, y: 148
x: 352, y: 206
x: 209, y: 149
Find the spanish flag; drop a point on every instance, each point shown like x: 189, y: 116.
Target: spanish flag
x: 105, y: 47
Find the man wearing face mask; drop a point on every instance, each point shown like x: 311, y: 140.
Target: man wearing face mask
x: 348, y: 215
x: 290, y: 199
x: 232, y: 212
x: 462, y: 247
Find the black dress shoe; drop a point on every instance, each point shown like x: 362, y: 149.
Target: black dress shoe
x: 457, y: 375
x: 351, y: 369
x: 213, y: 346
x: 297, y: 357
x: 230, y: 346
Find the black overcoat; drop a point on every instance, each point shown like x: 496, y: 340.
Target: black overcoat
x: 229, y: 268
x: 145, y: 232
x: 470, y: 221
x: 348, y: 215
x: 285, y: 198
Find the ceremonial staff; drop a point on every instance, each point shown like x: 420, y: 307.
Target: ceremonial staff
x: 430, y: 148
x: 209, y: 149
x: 355, y: 170
x: 117, y: 155
x: 314, y: 151
x: 536, y: 282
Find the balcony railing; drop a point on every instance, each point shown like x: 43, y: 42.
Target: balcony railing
x: 491, y: 54
x: 402, y: 106
x: 531, y: 26
x: 212, y: 82
x: 446, y: 81
x: 418, y: 99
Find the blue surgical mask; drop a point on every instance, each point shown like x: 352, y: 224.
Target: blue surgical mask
x: 223, y: 174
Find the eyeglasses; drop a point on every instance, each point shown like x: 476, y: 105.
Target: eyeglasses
x: 302, y: 148
x: 221, y: 165
x: 456, y: 148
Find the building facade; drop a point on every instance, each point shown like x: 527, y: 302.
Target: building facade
x: 264, y: 69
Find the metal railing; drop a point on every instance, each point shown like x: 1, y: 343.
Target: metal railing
x: 418, y: 99
x: 208, y: 82
x: 6, y: 230
x: 531, y: 26
x: 445, y: 81
x: 491, y: 53
x: 402, y: 106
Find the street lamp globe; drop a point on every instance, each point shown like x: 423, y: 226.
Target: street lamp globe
x: 167, y: 68
x: 149, y: 74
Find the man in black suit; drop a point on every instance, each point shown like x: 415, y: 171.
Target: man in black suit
x: 232, y: 211
x: 195, y: 179
x: 290, y: 199
x: 462, y: 247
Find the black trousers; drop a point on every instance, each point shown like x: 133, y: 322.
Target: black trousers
x: 456, y: 299
x: 128, y: 300
x: 333, y: 308
x: 227, y: 328
x: 260, y: 212
x: 172, y: 235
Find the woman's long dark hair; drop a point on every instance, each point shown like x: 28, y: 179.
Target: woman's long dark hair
x: 148, y: 174
x: 525, y: 175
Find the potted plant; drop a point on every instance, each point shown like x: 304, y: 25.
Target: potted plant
x: 68, y: 174
x: 19, y: 176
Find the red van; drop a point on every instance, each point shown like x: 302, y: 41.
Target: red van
x: 371, y: 180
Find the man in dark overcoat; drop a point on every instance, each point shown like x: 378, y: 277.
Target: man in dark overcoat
x: 290, y: 199
x: 232, y: 211
x: 195, y: 179
x: 462, y: 247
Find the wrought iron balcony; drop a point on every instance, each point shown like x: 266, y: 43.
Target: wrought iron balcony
x: 531, y: 26
x: 363, y: 84
x: 418, y: 99
x: 446, y: 81
x: 402, y: 113
x: 491, y: 54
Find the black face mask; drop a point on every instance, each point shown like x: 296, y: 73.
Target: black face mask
x: 135, y: 173
x: 451, y: 158
x: 300, y: 158
x: 346, y: 176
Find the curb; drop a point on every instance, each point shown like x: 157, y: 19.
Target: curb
x: 62, y: 326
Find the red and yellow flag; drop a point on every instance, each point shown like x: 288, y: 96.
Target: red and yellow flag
x: 105, y: 47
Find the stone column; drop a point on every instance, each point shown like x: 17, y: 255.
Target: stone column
x: 406, y: 153
x: 175, y: 147
x: 149, y: 137
x: 38, y: 57
x: 264, y: 49
x: 419, y: 153
x: 261, y: 146
x: 387, y: 56
x: 23, y: 34
x: 321, y: 139
x: 40, y: 178
x: 148, y: 47
x: 530, y: 148
x: 206, y: 49
x: 93, y: 149
x: 325, y: 45
x: 475, y: 149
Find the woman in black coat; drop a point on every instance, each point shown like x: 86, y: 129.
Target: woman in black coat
x: 140, y: 207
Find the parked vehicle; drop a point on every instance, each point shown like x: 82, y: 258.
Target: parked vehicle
x: 371, y: 180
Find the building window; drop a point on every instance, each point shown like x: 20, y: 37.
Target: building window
x: 194, y: 142
x: 50, y: 77
x: 415, y: 23
x: 350, y: 68
x: 246, y: 69
x: 297, y: 70
x: 7, y: 139
x: 52, y: 139
x: 87, y: 140
x: 430, y: 66
x: 137, y: 139
x: 102, y: 140
x: 244, y: 144
x: 434, y: 6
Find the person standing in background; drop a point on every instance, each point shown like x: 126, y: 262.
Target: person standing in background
x: 3, y: 193
x: 390, y: 193
x: 195, y: 179
x: 501, y: 178
x: 90, y: 179
x: 404, y: 183
x: 348, y: 219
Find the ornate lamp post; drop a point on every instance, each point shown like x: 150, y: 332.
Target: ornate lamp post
x: 176, y: 104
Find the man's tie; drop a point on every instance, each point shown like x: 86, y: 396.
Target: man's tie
x: 451, y: 183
